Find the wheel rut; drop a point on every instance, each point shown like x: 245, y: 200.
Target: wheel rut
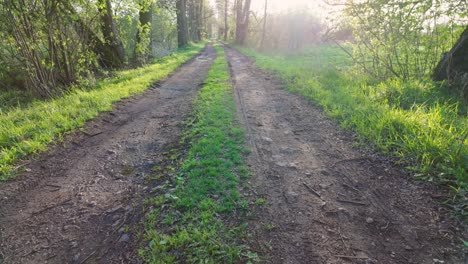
x: 328, y: 202
x: 80, y: 201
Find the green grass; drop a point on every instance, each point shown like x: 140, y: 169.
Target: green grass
x: 199, y: 220
x: 28, y: 130
x: 418, y: 122
x: 15, y: 99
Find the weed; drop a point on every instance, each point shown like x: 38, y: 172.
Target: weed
x: 270, y: 226
x: 260, y: 201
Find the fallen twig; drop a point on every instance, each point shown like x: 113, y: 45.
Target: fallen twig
x: 352, y: 202
x: 351, y: 187
x: 88, y: 257
x: 92, y: 134
x: 50, y: 207
x: 312, y: 190
x: 320, y: 222
x: 350, y: 257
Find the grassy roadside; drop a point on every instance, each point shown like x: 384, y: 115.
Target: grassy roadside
x: 416, y: 122
x: 194, y: 220
x: 28, y: 130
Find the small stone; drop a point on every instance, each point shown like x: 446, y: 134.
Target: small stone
x: 124, y: 238
x: 281, y: 164
x: 110, y: 151
x: 115, y: 209
x: 408, y: 248
x: 292, y: 197
x: 323, y: 186
x: 369, y: 220
x: 74, y: 244
x: 393, y: 254
x: 76, y: 257
x: 267, y: 139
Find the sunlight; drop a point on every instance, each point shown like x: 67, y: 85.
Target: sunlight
x: 282, y: 5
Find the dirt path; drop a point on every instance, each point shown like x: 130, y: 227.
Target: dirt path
x: 75, y: 203
x: 326, y: 201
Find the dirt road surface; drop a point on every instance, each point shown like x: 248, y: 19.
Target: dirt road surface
x: 328, y: 202
x: 75, y: 204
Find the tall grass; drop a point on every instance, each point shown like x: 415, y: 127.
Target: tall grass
x: 28, y: 130
x: 417, y: 122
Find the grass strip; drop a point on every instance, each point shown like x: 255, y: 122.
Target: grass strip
x: 196, y: 219
x: 28, y: 130
x: 418, y: 122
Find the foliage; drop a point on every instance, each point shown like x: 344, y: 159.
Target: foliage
x: 206, y: 187
x: 403, y: 39
x: 164, y: 32
x: 28, y: 130
x: 41, y: 39
x: 417, y: 122
x: 48, y: 46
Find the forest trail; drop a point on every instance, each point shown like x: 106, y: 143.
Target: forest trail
x: 327, y: 202
x: 74, y: 204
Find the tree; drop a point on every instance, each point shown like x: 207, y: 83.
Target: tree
x: 182, y: 30
x: 453, y: 65
x: 262, y: 42
x: 111, y: 36
x: 47, y: 45
x: 226, y: 25
x: 42, y: 40
x: 242, y: 20
x: 143, y: 46
x: 398, y: 38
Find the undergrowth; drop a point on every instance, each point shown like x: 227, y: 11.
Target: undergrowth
x: 197, y: 221
x: 28, y: 130
x: 418, y: 122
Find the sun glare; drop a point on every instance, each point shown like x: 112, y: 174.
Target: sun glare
x: 285, y: 5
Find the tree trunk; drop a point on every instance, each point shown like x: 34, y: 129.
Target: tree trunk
x: 143, y: 47
x: 200, y: 26
x: 192, y: 20
x: 182, y: 30
x: 262, y: 43
x: 238, y: 17
x: 243, y: 18
x: 454, y: 64
x: 111, y: 36
x: 226, y: 26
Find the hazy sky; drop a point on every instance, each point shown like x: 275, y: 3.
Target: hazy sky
x: 316, y: 6
x: 284, y: 5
